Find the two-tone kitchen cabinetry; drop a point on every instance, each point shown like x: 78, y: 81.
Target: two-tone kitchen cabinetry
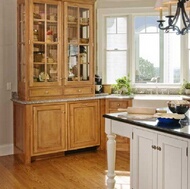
x: 55, y: 48
x: 158, y: 161
x: 53, y: 128
x: 113, y: 105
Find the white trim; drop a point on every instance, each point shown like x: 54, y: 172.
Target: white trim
x: 6, y: 149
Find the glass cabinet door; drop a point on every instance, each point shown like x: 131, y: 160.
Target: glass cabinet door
x: 21, y: 42
x: 78, y: 62
x: 45, y: 43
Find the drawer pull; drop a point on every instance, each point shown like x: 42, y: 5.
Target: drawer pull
x: 46, y: 92
x: 79, y: 90
x: 118, y: 104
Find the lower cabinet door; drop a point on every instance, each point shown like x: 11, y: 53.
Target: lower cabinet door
x: 172, y: 163
x: 159, y: 161
x: 49, y: 134
x: 144, y: 158
x: 84, y: 124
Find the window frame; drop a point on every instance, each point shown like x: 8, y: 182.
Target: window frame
x: 131, y: 13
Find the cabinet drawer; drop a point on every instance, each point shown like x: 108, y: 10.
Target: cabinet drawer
x: 118, y: 104
x: 78, y: 90
x: 45, y: 92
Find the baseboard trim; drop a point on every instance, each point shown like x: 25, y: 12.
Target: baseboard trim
x: 6, y: 149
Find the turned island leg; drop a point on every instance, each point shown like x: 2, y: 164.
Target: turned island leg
x: 111, y: 153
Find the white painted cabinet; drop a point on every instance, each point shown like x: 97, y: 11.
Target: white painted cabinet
x: 159, y: 161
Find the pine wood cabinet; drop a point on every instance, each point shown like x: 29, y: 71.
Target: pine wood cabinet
x: 112, y: 105
x: 49, y: 131
x: 55, y: 48
x: 158, y: 161
x: 84, y: 124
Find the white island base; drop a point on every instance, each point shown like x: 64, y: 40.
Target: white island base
x: 157, y: 160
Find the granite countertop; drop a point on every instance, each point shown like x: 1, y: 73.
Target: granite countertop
x: 97, y: 96
x: 102, y: 96
x: 181, y: 128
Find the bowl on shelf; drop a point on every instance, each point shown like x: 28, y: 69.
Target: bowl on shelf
x: 178, y: 106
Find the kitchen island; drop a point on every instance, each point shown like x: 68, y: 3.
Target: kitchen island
x: 158, y: 154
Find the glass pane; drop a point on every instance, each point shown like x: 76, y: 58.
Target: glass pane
x: 160, y: 60
x: 72, y: 25
x: 51, y: 32
x: 117, y: 41
x: 116, y: 64
x: 122, y: 25
x: 39, y: 24
x: 52, y: 12
x: 172, y: 58
x: 52, y: 72
x: 111, y: 25
x: 140, y: 24
x: 39, y: 62
x: 39, y: 31
x: 21, y: 43
x: 147, y: 65
x: 73, y: 63
x: 52, y: 65
x: 84, y: 63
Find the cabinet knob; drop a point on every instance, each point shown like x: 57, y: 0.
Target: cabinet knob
x: 46, y: 92
x: 118, y: 104
x: 154, y: 147
x: 159, y: 148
x: 79, y: 90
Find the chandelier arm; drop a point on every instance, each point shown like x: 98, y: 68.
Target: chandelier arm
x: 184, y: 16
x: 176, y: 17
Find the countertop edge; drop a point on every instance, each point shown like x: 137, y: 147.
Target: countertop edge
x: 143, y: 125
x: 101, y: 96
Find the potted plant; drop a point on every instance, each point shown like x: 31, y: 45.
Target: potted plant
x: 122, y: 86
x: 185, y: 87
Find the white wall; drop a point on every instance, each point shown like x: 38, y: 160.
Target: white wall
x: 7, y: 72
x: 124, y: 3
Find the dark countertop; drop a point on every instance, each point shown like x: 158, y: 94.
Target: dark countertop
x: 181, y: 128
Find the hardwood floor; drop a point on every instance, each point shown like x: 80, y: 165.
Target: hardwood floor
x: 81, y: 170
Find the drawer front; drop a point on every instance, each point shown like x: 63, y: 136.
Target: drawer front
x: 78, y: 90
x: 118, y: 104
x: 45, y: 92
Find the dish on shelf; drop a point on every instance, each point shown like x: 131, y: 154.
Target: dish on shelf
x: 72, y: 18
x: 84, y: 40
x: 84, y: 20
x: 43, y: 76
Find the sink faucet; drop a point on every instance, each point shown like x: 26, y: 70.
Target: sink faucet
x: 155, y: 79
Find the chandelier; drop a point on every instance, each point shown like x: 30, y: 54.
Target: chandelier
x: 181, y: 13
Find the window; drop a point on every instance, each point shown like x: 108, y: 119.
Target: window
x: 157, y: 54
x: 116, y: 48
x: 129, y: 42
